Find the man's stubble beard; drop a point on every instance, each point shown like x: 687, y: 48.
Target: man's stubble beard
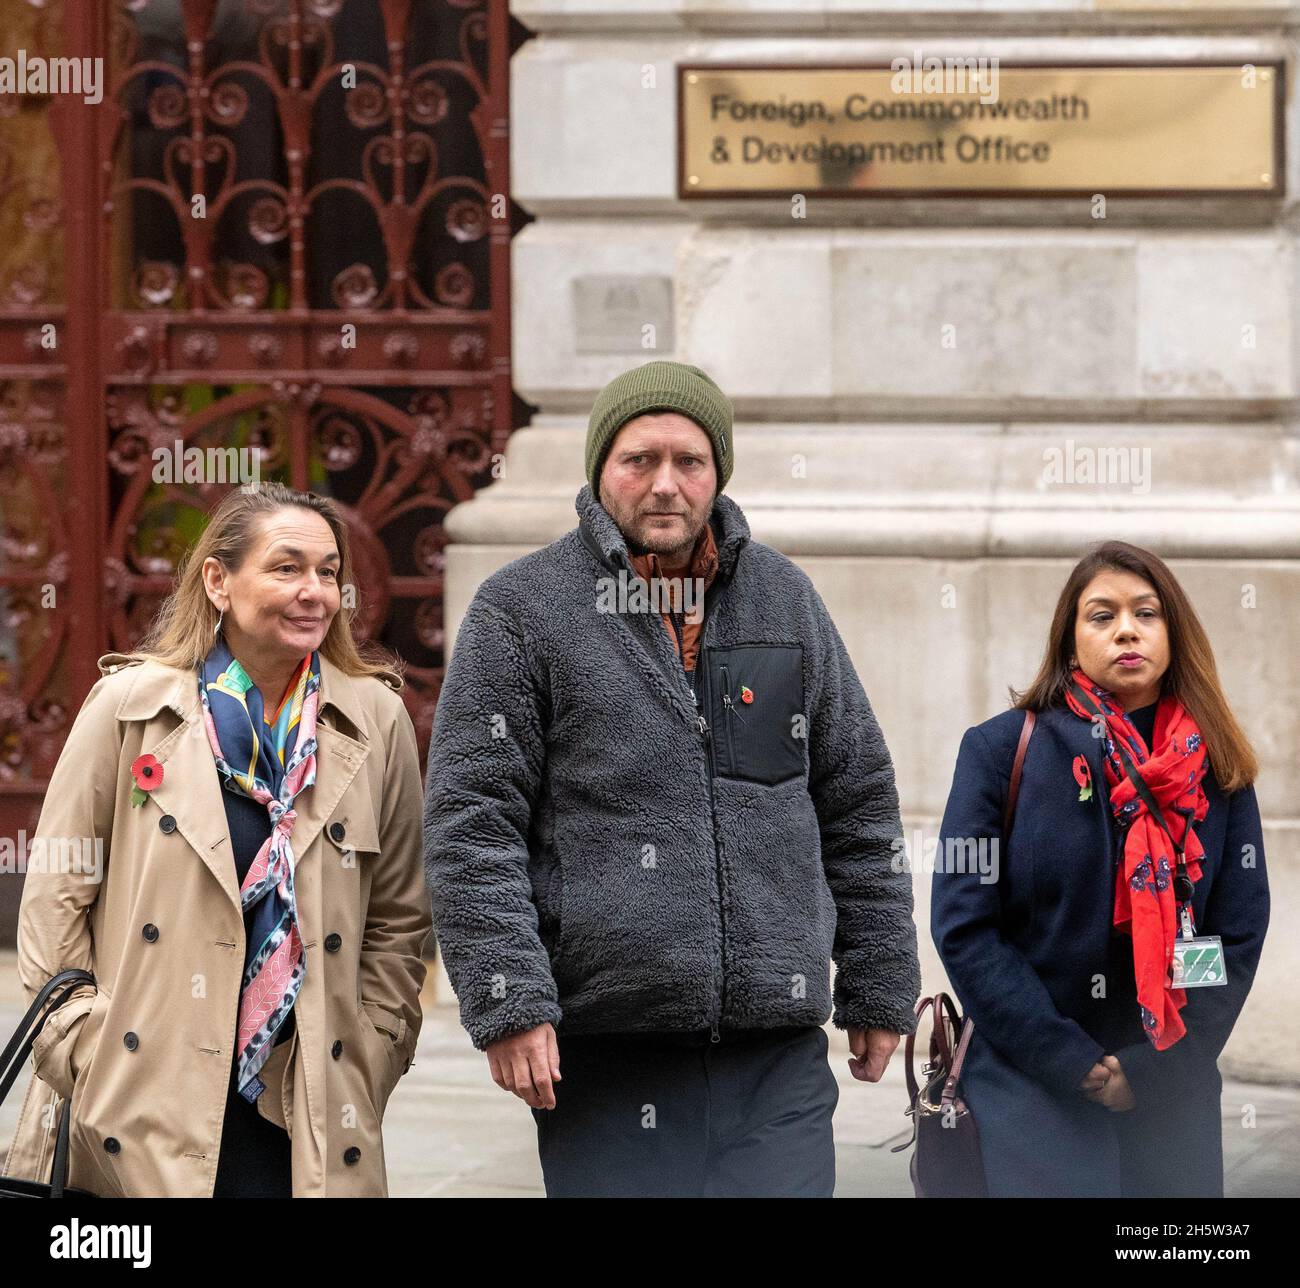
x: 679, y: 552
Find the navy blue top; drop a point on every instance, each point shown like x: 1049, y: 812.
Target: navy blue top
x: 1144, y: 721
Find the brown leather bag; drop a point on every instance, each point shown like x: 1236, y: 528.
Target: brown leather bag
x: 946, y: 1162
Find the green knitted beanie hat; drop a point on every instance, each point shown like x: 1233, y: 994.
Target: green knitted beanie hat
x: 659, y: 386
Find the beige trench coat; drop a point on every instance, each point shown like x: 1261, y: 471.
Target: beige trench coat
x: 164, y: 936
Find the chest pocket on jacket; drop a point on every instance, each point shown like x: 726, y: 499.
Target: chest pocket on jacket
x: 756, y: 711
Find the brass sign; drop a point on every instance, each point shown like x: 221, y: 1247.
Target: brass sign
x: 922, y: 128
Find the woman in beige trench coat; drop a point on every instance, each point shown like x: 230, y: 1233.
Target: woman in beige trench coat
x: 146, y: 1057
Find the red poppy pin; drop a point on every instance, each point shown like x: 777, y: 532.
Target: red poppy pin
x: 1083, y: 776
x: 148, y: 774
x: 746, y: 693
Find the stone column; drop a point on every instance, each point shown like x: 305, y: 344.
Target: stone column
x: 909, y: 478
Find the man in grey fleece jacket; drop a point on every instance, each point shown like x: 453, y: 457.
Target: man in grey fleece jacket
x: 659, y: 864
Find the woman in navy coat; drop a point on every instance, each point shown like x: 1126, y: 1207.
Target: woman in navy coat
x: 1076, y: 1087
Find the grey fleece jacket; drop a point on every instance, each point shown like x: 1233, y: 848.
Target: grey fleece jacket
x: 614, y: 845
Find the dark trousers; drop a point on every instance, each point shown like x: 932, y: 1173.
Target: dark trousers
x: 679, y: 1116
x: 254, y: 1162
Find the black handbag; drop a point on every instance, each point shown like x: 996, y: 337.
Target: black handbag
x: 19, y: 1047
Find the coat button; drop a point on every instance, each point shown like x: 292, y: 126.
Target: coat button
x: 337, y: 1049
x: 333, y: 942
x: 130, y: 1041
x: 167, y: 824
x: 337, y: 831
x: 150, y: 932
x: 351, y: 1155
x: 112, y: 1145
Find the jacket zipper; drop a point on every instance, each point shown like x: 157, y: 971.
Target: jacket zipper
x: 681, y: 645
x: 711, y: 765
x: 710, y: 757
x: 731, y: 711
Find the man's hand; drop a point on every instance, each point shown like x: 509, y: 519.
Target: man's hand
x: 871, y: 1049
x: 527, y: 1064
x: 1115, y: 1093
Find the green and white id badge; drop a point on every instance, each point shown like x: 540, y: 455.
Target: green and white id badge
x: 1198, y: 962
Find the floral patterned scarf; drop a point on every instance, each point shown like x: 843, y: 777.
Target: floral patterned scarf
x: 273, y: 764
x: 1146, y: 903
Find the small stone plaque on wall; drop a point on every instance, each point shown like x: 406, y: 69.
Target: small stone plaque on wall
x: 623, y: 313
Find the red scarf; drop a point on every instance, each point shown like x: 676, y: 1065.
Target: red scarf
x: 1145, y: 905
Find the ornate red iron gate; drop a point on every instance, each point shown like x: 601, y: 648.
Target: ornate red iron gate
x: 286, y: 227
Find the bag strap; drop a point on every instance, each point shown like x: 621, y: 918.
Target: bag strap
x: 950, y: 1060
x: 949, y: 1093
x: 941, y: 1053
x: 19, y: 1047
x: 1013, y: 791
x: 940, y: 1048
x: 913, y: 1090
x: 60, y: 987
x: 59, y: 1167
x: 942, y: 1057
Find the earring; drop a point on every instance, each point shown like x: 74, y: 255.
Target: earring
x: 221, y: 617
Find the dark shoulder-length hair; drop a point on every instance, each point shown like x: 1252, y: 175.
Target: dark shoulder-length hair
x: 1192, y: 676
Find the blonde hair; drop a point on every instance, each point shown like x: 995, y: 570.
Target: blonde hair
x: 183, y: 632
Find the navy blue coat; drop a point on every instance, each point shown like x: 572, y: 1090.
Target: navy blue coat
x: 1048, y: 982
